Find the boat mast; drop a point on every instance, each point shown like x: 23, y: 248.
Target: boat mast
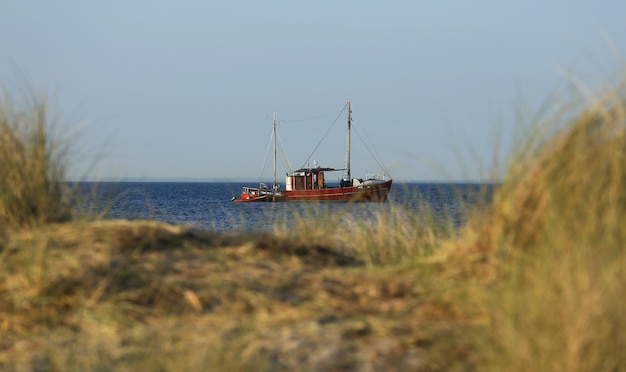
x: 274, y: 185
x: 348, y: 177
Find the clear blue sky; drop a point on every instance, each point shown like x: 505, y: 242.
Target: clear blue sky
x: 183, y: 89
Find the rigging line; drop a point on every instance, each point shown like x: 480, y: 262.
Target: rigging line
x: 284, y: 160
x: 269, y: 144
x: 376, y: 156
x: 310, y: 119
x: 283, y: 154
x: 281, y: 149
x: 370, y: 151
x: 326, y: 134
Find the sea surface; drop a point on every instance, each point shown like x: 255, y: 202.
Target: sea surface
x: 208, y: 205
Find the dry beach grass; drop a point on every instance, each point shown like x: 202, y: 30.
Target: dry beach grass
x: 533, y: 281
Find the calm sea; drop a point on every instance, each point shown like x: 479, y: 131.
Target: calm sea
x: 209, y: 206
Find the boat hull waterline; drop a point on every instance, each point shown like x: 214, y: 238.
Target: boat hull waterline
x: 372, y: 193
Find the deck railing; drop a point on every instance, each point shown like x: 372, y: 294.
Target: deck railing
x: 377, y: 176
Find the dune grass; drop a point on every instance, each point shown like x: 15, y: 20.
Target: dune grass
x: 535, y: 280
x: 385, y: 236
x: 32, y: 166
x: 547, y: 273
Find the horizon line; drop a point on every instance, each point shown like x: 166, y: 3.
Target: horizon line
x: 251, y: 180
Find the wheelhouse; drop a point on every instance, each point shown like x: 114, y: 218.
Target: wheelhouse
x: 307, y: 179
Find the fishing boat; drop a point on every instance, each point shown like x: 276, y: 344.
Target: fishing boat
x: 309, y: 184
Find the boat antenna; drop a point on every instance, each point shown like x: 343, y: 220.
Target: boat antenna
x: 274, y: 185
x: 347, y: 176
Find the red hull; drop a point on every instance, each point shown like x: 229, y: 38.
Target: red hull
x: 367, y: 193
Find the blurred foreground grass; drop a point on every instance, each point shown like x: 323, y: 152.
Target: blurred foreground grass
x: 534, y: 281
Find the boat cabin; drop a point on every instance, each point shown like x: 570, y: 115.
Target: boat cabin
x: 307, y: 179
